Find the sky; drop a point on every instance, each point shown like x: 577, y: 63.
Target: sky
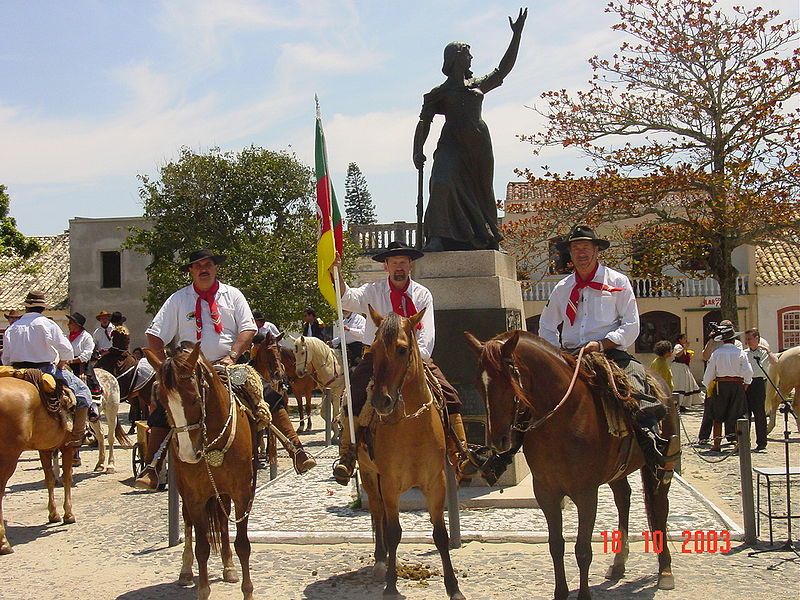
x: 94, y: 93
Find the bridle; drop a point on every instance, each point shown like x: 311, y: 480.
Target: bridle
x: 401, y: 402
x: 522, y: 417
x: 310, y: 369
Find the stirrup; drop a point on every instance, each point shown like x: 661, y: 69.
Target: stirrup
x: 342, y: 473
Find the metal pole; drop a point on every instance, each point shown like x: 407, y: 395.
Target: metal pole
x: 273, y: 469
x: 173, y: 501
x: 453, y: 514
x: 675, y: 416
x: 746, y: 475
x: 327, y: 414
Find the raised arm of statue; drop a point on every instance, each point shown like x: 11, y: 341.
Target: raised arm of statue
x: 510, y: 57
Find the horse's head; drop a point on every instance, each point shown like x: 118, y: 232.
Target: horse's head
x: 181, y: 394
x: 268, y: 360
x: 394, y: 353
x: 498, y: 377
x: 301, y: 358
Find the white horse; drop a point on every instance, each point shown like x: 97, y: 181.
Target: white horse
x: 785, y: 375
x: 109, y: 407
x: 314, y: 358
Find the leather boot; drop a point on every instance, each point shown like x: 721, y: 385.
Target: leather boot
x: 148, y: 479
x: 303, y: 461
x: 344, y: 468
x: 462, y: 466
x: 659, y: 453
x: 716, y: 436
x: 79, y: 425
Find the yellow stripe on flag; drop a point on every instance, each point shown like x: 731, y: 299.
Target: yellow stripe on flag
x: 326, y: 254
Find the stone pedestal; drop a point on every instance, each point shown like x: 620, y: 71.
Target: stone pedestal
x: 475, y: 291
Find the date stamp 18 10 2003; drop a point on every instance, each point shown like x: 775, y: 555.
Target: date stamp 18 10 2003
x: 694, y: 542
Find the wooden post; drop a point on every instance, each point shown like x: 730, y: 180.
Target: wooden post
x: 675, y: 416
x: 746, y: 475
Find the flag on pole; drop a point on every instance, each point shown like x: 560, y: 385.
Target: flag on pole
x: 329, y: 237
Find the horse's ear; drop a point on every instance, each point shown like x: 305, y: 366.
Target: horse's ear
x: 376, y: 317
x: 151, y: 357
x: 417, y: 318
x: 194, y: 355
x: 474, y: 343
x: 280, y: 336
x: 292, y: 339
x: 507, y: 350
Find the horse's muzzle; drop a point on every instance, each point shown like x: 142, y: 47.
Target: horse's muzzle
x: 383, y: 404
x: 501, y: 443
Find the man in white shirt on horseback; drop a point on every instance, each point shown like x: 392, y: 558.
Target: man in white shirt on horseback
x: 207, y: 312
x: 596, y: 309
x: 400, y: 294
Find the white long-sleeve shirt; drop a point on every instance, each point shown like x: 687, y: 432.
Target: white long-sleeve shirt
x: 600, y: 314
x: 728, y: 361
x: 175, y: 320
x: 355, y: 324
x: 35, y: 338
x: 83, y: 346
x: 376, y: 294
x: 102, y: 336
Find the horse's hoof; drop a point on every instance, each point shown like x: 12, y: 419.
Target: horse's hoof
x: 186, y: 579
x: 69, y: 519
x: 54, y: 518
x: 99, y: 468
x: 666, y: 582
x: 614, y: 572
x: 6, y: 550
x: 379, y: 571
x: 458, y: 596
x: 230, y: 575
x: 391, y: 593
x: 300, y: 429
x: 111, y: 469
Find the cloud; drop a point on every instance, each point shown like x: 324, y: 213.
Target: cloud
x: 304, y: 58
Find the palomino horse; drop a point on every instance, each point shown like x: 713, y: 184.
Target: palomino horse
x: 407, y: 449
x: 280, y: 364
x: 567, y: 444
x: 26, y: 423
x: 214, y: 444
x: 785, y: 375
x: 110, y: 407
x: 314, y: 358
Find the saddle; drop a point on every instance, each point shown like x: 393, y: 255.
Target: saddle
x: 56, y: 397
x: 245, y: 382
x: 612, y: 388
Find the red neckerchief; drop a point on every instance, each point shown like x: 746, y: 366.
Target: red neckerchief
x: 575, y: 294
x: 73, y: 336
x: 209, y: 296
x: 402, y: 303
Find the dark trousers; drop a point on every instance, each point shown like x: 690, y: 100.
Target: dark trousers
x: 756, y: 395
x: 725, y: 405
x: 362, y: 374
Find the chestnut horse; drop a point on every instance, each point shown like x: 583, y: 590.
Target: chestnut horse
x: 213, y: 444
x: 568, y: 447
x: 26, y: 423
x: 408, y: 446
x: 279, y: 362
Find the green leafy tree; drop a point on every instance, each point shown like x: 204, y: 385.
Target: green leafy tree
x: 12, y: 242
x: 359, y: 208
x: 692, y: 129
x: 255, y: 206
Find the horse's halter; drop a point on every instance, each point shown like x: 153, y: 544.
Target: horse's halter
x: 401, y: 402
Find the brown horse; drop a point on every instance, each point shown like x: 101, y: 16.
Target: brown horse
x: 212, y: 441
x: 570, y: 452
x: 122, y: 365
x: 27, y: 424
x: 407, y: 449
x: 280, y: 364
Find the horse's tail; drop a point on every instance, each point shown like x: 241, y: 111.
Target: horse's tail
x: 215, y: 524
x: 122, y: 437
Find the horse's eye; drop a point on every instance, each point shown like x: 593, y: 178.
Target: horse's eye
x: 402, y: 350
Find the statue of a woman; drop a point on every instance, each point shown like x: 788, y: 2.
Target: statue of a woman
x: 462, y: 211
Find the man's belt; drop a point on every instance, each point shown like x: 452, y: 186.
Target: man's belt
x: 731, y: 379
x: 30, y: 365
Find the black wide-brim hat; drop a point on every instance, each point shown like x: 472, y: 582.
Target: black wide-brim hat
x: 78, y: 318
x: 582, y: 233
x: 117, y: 318
x: 398, y: 249
x: 199, y: 255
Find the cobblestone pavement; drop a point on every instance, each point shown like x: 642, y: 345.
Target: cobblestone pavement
x: 118, y: 548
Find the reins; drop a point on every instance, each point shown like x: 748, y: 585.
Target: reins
x: 432, y: 384
x: 521, y: 411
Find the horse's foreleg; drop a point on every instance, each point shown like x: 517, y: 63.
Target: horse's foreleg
x: 550, y: 503
x: 46, y: 458
x: 378, y: 524
x: 8, y: 463
x: 435, y: 496
x: 622, y: 498
x: 67, y: 452
x: 112, y: 414
x: 229, y: 573
x: 308, y: 410
x: 656, y: 502
x: 587, y: 513
x: 187, y: 559
x: 391, y: 509
x: 97, y: 430
x: 202, y: 550
x: 242, y: 545
x: 299, y: 398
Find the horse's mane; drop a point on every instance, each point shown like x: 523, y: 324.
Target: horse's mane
x: 389, y: 329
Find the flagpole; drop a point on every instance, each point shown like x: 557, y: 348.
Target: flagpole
x: 342, y: 343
